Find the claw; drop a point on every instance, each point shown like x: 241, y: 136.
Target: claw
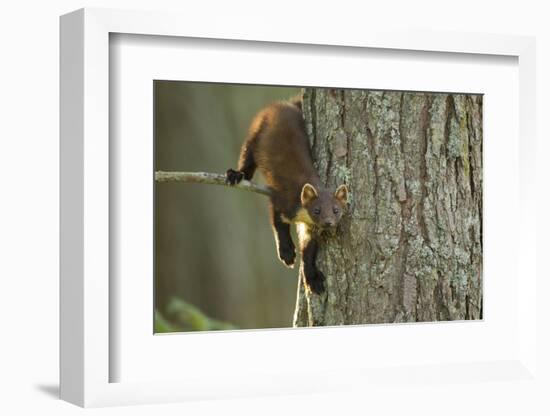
x: 233, y: 177
x: 287, y: 256
x: 317, y: 285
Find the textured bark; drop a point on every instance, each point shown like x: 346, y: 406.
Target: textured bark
x: 410, y: 247
x: 210, y: 179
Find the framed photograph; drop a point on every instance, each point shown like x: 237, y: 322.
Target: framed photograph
x: 395, y: 223
x: 273, y: 213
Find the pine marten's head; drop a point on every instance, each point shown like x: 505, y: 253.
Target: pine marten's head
x: 324, y: 206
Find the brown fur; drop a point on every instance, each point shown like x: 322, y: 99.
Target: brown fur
x: 277, y: 145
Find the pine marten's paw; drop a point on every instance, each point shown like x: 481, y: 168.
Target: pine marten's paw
x: 317, y: 283
x: 287, y: 255
x: 233, y: 177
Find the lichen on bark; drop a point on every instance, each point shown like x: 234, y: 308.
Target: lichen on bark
x: 410, y: 246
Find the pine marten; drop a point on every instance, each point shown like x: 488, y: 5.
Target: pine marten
x: 277, y: 144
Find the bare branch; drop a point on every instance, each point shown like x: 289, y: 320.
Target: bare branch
x: 210, y: 179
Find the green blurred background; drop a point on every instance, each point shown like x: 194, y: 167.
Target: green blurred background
x: 215, y: 260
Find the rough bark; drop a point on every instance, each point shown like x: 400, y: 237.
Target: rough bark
x: 410, y: 247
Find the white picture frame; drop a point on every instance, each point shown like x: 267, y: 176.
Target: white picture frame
x: 86, y: 356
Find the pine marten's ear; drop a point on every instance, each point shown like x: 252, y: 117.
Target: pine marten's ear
x: 309, y: 193
x: 341, y: 194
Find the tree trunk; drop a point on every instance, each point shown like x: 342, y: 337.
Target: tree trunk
x: 410, y: 247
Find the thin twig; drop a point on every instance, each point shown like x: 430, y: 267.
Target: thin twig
x: 210, y: 179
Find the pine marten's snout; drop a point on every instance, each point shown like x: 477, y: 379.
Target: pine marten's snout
x: 327, y: 224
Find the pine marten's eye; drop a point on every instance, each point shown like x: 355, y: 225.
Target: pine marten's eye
x: 335, y: 210
x: 317, y: 211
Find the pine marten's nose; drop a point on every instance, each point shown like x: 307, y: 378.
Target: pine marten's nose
x: 328, y: 224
